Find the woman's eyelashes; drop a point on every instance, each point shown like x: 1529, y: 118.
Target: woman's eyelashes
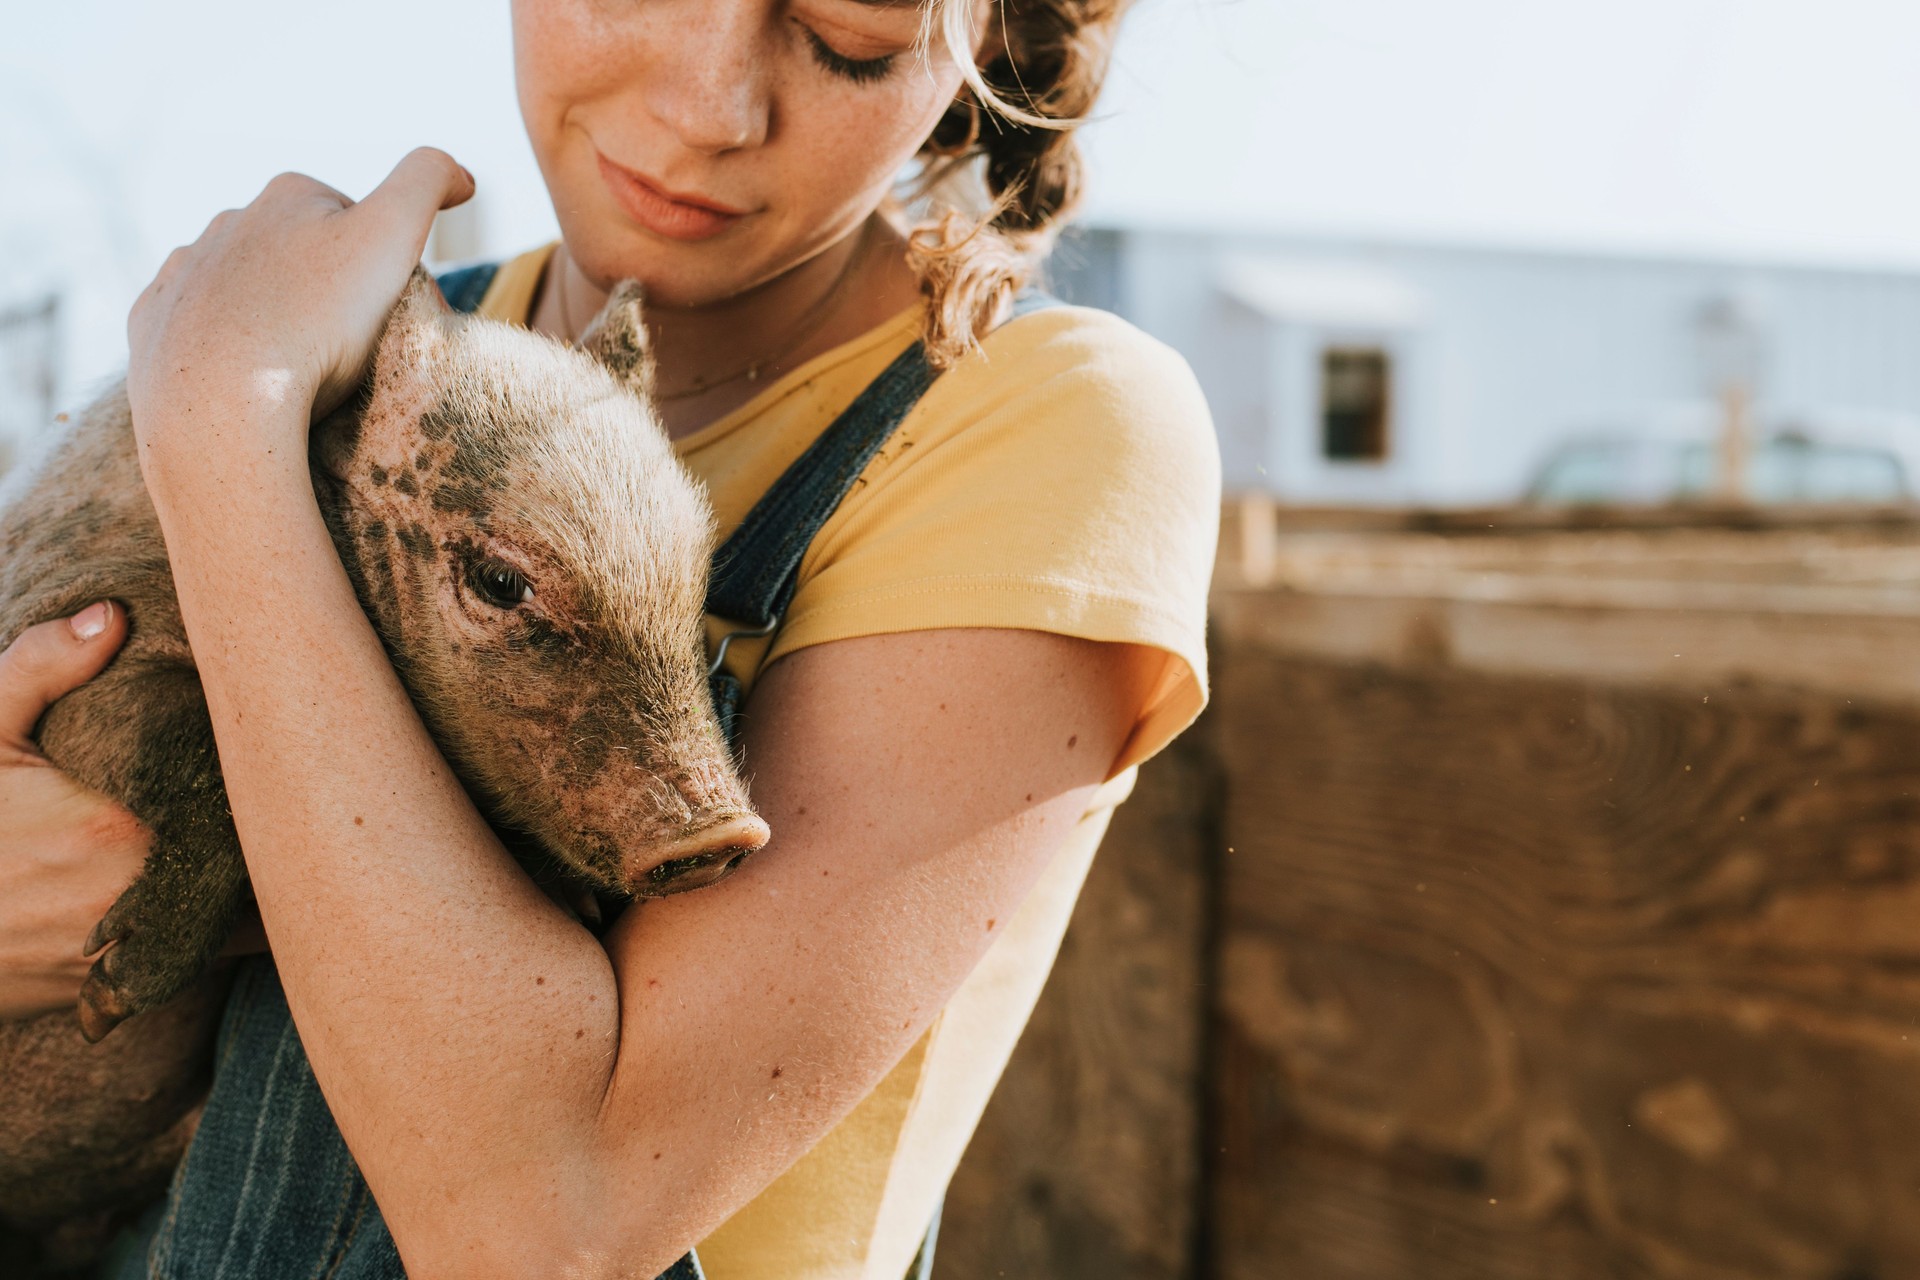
x: 858, y: 70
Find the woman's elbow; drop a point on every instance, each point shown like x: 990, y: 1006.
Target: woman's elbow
x: 521, y: 1249
x: 533, y: 1234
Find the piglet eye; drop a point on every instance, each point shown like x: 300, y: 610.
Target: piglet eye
x: 500, y: 585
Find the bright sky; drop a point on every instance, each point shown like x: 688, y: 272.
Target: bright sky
x: 1768, y: 128
x: 1773, y: 128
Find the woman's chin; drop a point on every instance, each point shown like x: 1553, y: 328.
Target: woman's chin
x: 675, y: 275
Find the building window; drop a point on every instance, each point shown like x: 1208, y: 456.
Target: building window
x: 1356, y: 396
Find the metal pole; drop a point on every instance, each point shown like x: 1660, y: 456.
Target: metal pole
x: 1736, y: 441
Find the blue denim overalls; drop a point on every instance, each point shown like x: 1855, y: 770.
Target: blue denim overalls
x: 268, y: 1190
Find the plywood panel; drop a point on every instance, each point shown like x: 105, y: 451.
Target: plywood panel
x: 1529, y: 978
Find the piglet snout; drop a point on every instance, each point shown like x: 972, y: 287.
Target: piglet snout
x: 702, y: 857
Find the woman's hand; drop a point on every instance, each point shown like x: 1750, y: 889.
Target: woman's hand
x: 68, y: 851
x: 272, y: 315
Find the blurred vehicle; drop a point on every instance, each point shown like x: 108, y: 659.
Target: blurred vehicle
x: 1870, y: 459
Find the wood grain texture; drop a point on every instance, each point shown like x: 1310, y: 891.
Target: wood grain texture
x: 1566, y: 886
x: 1086, y: 1163
x: 1530, y: 978
x: 1833, y: 611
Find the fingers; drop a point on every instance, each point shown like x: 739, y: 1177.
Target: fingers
x: 425, y: 181
x: 53, y: 659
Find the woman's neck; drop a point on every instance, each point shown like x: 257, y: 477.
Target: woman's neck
x: 711, y: 360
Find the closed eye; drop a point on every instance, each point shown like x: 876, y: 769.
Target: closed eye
x: 858, y: 70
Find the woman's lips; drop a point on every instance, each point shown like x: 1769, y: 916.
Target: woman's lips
x: 674, y: 216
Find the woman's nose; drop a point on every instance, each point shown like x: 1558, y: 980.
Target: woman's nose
x: 708, y: 75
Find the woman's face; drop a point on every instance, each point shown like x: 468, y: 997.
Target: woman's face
x: 705, y: 146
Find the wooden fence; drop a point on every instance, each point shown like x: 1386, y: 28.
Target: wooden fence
x: 1535, y: 901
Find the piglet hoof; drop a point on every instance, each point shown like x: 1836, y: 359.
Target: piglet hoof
x: 110, y: 994
x: 111, y: 928
x: 102, y: 1008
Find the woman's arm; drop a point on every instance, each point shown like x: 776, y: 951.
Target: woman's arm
x: 522, y: 1100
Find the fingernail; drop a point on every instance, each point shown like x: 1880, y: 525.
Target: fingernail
x: 469, y: 173
x: 91, y: 621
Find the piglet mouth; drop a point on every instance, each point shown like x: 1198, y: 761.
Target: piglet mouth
x: 702, y: 857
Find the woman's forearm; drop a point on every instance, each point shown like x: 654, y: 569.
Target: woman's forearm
x: 427, y: 973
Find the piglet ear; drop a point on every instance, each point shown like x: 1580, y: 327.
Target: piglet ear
x: 415, y: 338
x: 617, y: 338
x: 408, y: 377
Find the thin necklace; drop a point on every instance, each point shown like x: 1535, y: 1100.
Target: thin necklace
x: 803, y: 328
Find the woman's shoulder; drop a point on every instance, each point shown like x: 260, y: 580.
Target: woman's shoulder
x: 1061, y: 476
x: 1079, y: 383
x: 1089, y: 352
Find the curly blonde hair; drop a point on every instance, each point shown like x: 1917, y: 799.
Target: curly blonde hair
x: 1002, y: 171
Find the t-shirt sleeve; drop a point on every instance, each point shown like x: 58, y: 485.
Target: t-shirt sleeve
x: 1065, y: 479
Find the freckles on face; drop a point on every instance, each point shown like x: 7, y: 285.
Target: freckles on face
x: 745, y: 104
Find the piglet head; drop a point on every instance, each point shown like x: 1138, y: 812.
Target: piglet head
x: 535, y: 558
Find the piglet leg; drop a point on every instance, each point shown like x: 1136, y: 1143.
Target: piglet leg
x: 171, y: 923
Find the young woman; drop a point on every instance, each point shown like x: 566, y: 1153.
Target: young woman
x: 1002, y: 620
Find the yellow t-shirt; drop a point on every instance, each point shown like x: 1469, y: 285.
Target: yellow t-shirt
x: 1065, y: 478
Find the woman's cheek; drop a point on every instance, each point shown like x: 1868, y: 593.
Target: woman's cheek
x: 534, y: 76
x: 565, y: 54
x: 866, y: 135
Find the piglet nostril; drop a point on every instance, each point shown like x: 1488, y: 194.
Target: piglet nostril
x: 726, y: 840
x: 702, y: 857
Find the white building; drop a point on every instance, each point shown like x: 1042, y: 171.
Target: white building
x: 29, y: 363
x: 1350, y: 371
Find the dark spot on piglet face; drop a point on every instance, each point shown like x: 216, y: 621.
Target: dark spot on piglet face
x: 456, y: 496
x: 415, y: 539
x: 438, y: 422
x: 555, y: 644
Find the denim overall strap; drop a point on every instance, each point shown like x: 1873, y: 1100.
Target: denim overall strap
x: 464, y: 287
x: 757, y: 569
